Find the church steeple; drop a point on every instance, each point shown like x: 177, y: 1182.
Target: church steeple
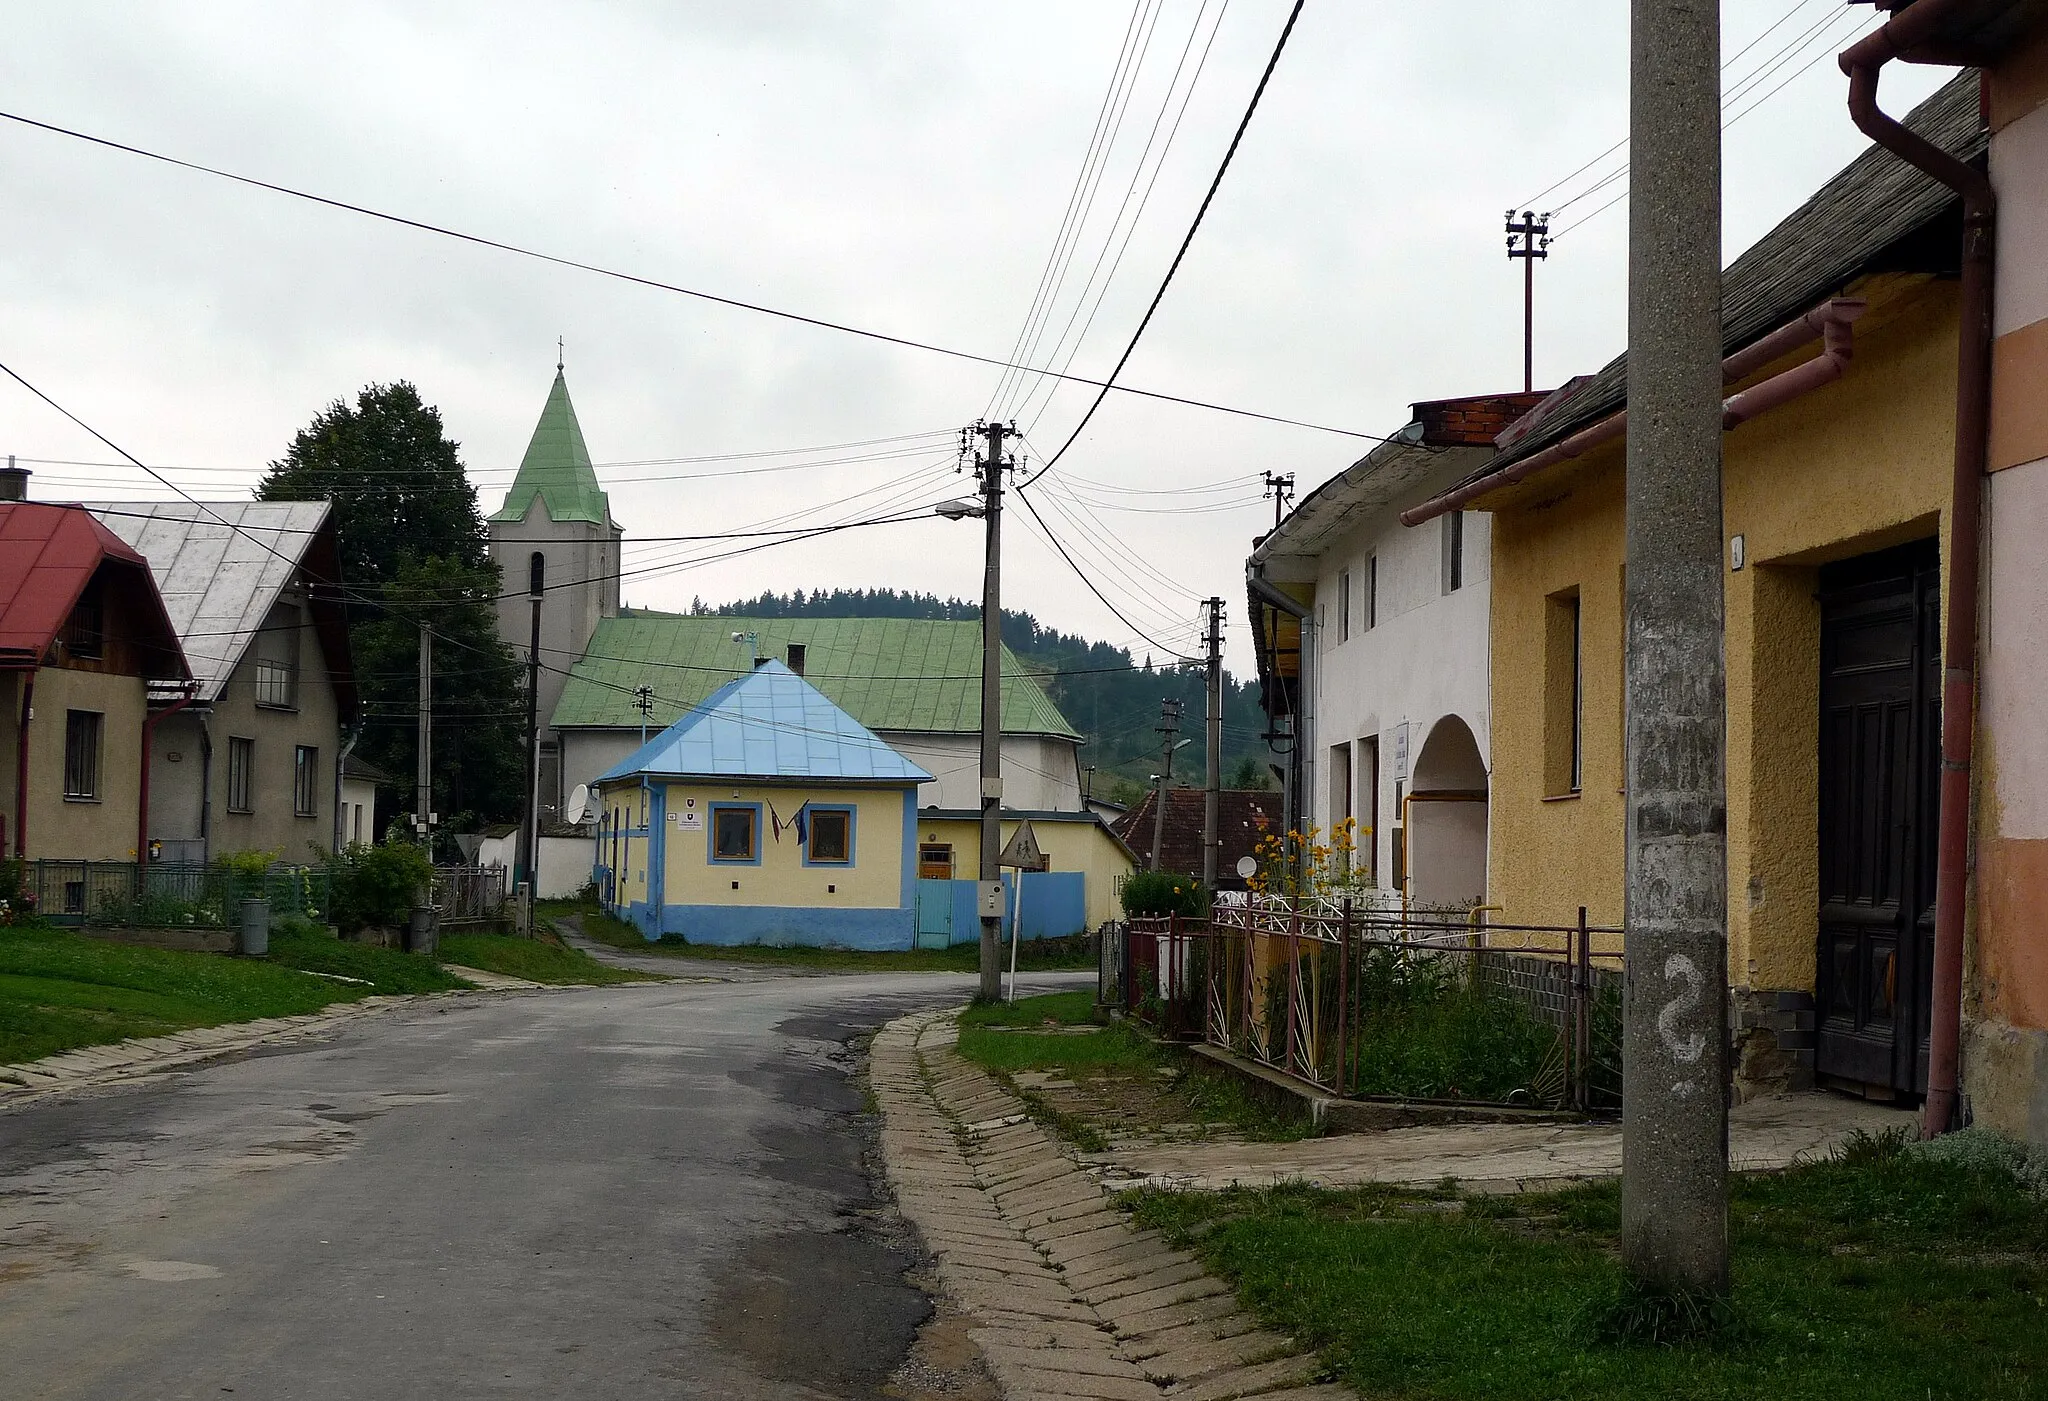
x: 557, y: 468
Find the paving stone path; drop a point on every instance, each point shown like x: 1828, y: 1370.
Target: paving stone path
x: 1070, y: 1300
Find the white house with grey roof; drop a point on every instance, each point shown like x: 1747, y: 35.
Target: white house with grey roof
x: 252, y: 759
x: 1389, y: 703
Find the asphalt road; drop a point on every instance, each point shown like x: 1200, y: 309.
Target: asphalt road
x: 598, y: 1193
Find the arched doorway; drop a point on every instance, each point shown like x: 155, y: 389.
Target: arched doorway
x: 1446, y: 820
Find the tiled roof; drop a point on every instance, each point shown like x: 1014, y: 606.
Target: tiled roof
x: 557, y: 468
x: 220, y: 568
x: 769, y: 723
x: 47, y: 556
x: 902, y: 674
x: 1242, y: 817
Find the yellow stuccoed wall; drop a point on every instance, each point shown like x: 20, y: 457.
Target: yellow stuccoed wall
x: 1860, y: 465
x: 874, y: 879
x: 1069, y: 846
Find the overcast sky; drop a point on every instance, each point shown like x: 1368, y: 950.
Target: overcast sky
x: 902, y: 165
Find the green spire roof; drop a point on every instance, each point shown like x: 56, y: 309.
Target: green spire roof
x: 557, y: 468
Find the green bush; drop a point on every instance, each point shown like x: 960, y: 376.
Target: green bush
x: 377, y: 885
x: 1158, y: 893
x: 292, y: 926
x: 17, y: 903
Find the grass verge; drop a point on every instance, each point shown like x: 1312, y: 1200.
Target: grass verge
x: 1036, y: 956
x: 535, y: 960
x: 1883, y: 1275
x: 1047, y: 1033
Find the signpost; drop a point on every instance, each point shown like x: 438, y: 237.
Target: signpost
x: 1021, y: 854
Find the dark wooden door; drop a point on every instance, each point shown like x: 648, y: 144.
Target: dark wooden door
x: 1880, y: 749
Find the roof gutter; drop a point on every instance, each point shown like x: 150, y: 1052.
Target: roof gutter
x: 1832, y: 323
x: 1911, y: 27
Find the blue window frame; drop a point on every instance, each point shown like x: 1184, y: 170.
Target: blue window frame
x: 828, y: 834
x: 735, y: 835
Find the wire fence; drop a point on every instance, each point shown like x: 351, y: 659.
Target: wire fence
x: 1375, y: 1002
x: 169, y: 893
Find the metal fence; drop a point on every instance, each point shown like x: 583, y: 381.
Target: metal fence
x: 167, y: 893
x: 469, y: 894
x: 1301, y: 986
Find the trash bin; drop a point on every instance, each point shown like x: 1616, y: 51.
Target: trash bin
x: 423, y: 932
x: 255, y: 927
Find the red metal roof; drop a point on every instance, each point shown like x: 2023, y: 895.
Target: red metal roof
x: 47, y: 556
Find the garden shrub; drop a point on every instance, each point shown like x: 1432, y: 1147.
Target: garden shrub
x: 377, y: 885
x: 1154, y: 894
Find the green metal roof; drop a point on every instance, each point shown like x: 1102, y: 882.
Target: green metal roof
x: 903, y: 674
x: 557, y: 468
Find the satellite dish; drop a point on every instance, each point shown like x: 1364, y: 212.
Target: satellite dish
x: 1247, y: 866
x: 579, y: 802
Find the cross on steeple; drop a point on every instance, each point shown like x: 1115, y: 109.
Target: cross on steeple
x: 558, y: 354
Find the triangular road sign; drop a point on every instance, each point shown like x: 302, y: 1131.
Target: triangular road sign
x: 1022, y: 850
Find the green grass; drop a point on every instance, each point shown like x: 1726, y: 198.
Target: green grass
x: 1076, y: 1008
x: 386, y: 970
x: 60, y: 991
x: 1117, y: 1047
x: 1882, y: 1276
x: 1036, y: 956
x: 536, y: 960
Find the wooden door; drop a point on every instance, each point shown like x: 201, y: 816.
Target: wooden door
x: 1880, y: 749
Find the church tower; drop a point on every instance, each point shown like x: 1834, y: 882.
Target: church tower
x: 556, y: 512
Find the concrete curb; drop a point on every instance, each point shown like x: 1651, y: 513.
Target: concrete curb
x: 1068, y: 1300
x: 91, y: 1066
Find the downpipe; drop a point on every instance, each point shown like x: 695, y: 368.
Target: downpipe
x: 1862, y: 63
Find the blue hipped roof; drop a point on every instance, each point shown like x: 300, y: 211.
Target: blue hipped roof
x: 770, y: 723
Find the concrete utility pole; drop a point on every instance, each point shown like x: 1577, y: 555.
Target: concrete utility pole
x: 1210, y: 799
x: 1674, y: 1183
x: 1168, y: 727
x: 423, y: 768
x: 643, y: 701
x: 991, y: 468
x: 528, y: 860
x: 1279, y: 486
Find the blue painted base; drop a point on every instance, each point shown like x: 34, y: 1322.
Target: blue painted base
x: 729, y: 925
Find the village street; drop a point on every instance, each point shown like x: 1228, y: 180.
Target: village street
x: 651, y: 1190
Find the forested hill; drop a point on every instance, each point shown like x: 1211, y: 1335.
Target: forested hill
x: 1107, y: 694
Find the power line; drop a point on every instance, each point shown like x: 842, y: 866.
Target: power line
x: 821, y: 323
x: 1167, y: 281
x: 1083, y: 574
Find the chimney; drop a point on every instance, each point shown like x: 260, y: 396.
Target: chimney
x: 796, y: 658
x: 13, y: 482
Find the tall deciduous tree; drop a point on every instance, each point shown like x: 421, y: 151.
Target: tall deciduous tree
x: 415, y: 550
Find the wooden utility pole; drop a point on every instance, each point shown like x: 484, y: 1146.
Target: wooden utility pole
x: 1534, y: 231
x: 1212, y: 790
x: 991, y: 469
x: 423, y: 768
x: 1279, y: 486
x: 528, y: 860
x: 1168, y: 728
x: 1674, y: 1182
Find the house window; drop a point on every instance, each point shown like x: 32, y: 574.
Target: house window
x: 85, y: 632
x: 1372, y: 592
x: 1344, y: 606
x: 306, y: 781
x: 241, y: 773
x: 277, y: 659
x: 735, y: 833
x: 831, y: 837
x: 1454, y: 551
x: 356, y: 833
x: 1563, y: 695
x: 935, y: 861
x: 82, y: 754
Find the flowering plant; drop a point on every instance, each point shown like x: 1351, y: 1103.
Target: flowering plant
x: 1295, y: 863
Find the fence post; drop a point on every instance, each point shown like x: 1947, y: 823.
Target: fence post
x: 1344, y: 1003
x: 1582, y: 1014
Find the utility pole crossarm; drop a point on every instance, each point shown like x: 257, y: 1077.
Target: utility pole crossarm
x: 1534, y: 231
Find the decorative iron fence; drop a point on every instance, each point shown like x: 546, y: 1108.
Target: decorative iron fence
x: 167, y: 893
x: 1381, y: 1002
x: 469, y: 894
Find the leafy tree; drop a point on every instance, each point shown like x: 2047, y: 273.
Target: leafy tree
x: 415, y: 551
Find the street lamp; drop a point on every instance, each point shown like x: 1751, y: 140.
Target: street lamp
x: 960, y: 510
